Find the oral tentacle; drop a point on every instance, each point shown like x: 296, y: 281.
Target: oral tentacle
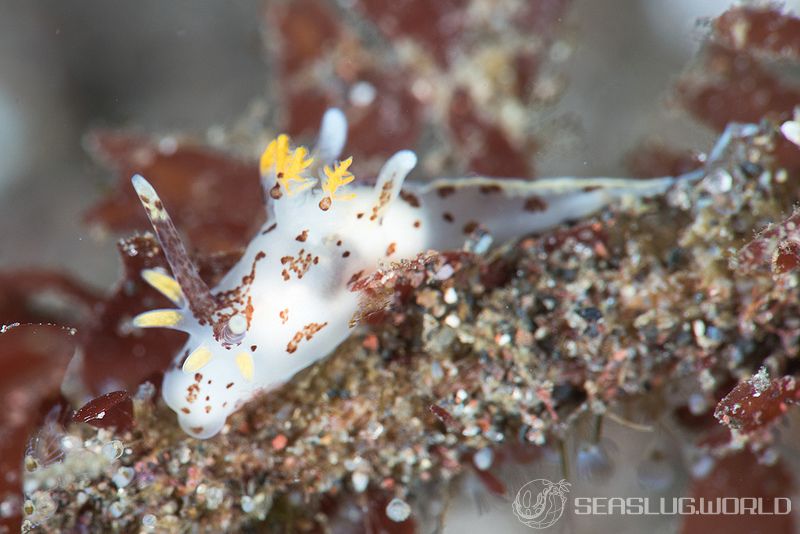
x: 197, y: 294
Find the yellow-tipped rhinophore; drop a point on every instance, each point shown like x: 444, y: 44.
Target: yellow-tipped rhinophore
x: 197, y: 360
x: 164, y: 284
x: 158, y: 319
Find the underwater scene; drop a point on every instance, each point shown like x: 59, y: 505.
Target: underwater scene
x: 399, y: 266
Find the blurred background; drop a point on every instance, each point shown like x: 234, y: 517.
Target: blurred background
x: 65, y: 68
x: 187, y: 66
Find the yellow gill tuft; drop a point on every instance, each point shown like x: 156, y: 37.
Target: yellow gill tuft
x: 288, y: 165
x: 336, y: 178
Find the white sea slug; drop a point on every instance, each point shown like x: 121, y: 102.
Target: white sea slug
x: 288, y: 301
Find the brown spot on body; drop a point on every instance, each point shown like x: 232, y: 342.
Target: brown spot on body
x: 339, y: 243
x: 410, y: 198
x: 383, y: 200
x: 198, y: 377
x: 208, y: 409
x: 346, y: 254
x: 237, y: 300
x: 590, y: 188
x: 470, y: 227
x: 445, y: 191
x: 391, y: 249
x: 298, y: 265
x: 284, y: 315
x: 186, y: 410
x: 275, y: 192
x: 191, y: 393
x: 253, y: 348
x: 359, y: 215
x: 229, y: 386
x: 197, y: 429
x: 302, y: 237
x: 325, y: 204
x: 535, y: 203
x: 490, y: 189
x: 417, y: 224
x: 271, y: 228
x: 447, y: 216
x: 307, y: 332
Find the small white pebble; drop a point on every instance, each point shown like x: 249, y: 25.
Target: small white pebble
x: 360, y: 481
x: 452, y: 321
x: 483, y: 458
x: 483, y: 245
x: 123, y: 476
x: 450, y: 296
x: 113, y: 450
x: 699, y: 328
x: 398, y: 510
x: 351, y: 464
x: 247, y: 504
x: 81, y: 498
x: 445, y: 272
x: 149, y: 521
x: 116, y: 509
x: 214, y: 497
x: 184, y: 454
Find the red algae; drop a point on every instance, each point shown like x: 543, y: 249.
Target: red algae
x: 113, y: 409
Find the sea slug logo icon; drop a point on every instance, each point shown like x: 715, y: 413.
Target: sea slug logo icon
x: 540, y: 503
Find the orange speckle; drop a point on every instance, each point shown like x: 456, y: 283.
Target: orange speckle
x: 370, y: 342
x: 279, y: 442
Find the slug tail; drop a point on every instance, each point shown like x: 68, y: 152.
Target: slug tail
x: 509, y: 208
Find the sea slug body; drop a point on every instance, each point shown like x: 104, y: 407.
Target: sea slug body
x: 288, y: 301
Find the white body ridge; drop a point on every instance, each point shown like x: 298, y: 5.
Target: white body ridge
x: 288, y: 302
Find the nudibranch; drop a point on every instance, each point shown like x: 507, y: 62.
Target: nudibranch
x: 288, y: 301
